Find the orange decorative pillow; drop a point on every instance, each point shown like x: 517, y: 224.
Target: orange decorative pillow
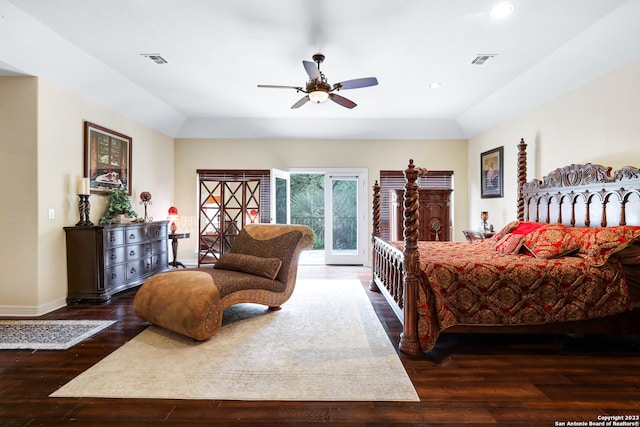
x: 510, y: 244
x: 551, y: 241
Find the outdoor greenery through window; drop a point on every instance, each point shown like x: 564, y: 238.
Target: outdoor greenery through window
x: 308, y: 208
x: 307, y: 204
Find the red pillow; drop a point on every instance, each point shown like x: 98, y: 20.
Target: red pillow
x: 517, y: 227
x: 551, y: 241
x: 510, y: 244
x: 599, y: 243
x: 527, y: 227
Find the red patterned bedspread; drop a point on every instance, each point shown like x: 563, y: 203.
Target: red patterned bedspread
x: 470, y: 284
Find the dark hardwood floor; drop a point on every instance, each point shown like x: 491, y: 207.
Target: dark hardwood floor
x: 471, y: 380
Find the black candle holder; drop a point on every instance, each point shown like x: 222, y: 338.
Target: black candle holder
x: 84, y: 207
x: 146, y: 203
x: 145, y: 199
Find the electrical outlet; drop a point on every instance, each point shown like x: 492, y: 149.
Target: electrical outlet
x: 52, y: 213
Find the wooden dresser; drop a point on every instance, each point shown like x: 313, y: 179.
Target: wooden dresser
x: 104, y: 260
x: 434, y: 214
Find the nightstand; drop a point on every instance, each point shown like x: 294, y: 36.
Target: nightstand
x: 473, y: 235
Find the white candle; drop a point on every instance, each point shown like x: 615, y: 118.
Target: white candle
x: 83, y: 186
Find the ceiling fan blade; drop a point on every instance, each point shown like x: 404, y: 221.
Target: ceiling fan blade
x: 312, y: 70
x: 356, y: 83
x: 281, y: 87
x: 301, y: 102
x: 342, y: 100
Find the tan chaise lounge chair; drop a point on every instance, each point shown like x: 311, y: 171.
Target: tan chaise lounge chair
x: 261, y: 267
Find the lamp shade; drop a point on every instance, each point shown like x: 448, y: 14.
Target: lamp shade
x: 319, y: 96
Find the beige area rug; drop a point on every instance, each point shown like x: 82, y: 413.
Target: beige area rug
x: 326, y: 344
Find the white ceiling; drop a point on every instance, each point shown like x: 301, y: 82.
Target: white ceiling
x: 218, y: 51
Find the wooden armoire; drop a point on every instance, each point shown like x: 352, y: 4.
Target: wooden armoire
x: 434, y: 214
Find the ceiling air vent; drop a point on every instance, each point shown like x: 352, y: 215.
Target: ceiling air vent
x: 482, y: 58
x: 155, y: 57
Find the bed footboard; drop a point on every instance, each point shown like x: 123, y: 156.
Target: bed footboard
x: 388, y: 274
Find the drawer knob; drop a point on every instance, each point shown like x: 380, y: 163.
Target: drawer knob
x: 114, y: 255
x: 113, y: 276
x: 133, y: 270
x: 112, y: 238
x: 132, y: 253
x: 132, y: 236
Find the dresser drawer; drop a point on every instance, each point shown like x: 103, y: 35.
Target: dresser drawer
x: 158, y: 232
x: 114, y: 256
x: 113, y: 238
x: 136, y: 235
x: 139, y: 268
x: 114, y: 276
x: 160, y: 262
x: 159, y: 246
x: 138, y: 251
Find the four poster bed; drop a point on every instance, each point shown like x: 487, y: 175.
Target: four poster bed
x: 569, y: 264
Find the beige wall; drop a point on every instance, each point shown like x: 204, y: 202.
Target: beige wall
x: 193, y: 154
x: 42, y: 157
x: 598, y: 123
x: 18, y: 189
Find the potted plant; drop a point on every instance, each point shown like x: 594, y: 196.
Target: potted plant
x: 119, y: 204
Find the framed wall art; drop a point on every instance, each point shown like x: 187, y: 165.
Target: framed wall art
x: 491, y: 175
x: 107, y: 159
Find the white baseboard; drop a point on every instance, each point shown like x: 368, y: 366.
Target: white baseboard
x: 31, y: 311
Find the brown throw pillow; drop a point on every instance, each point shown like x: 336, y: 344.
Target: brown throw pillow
x: 258, y: 266
x: 282, y: 247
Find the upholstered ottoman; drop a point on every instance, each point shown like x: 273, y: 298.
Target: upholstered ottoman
x: 187, y: 302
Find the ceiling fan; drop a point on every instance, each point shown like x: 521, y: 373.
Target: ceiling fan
x: 318, y: 90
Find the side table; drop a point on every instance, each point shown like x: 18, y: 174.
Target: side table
x: 473, y: 235
x: 174, y: 246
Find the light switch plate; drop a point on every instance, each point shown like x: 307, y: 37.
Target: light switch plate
x: 52, y: 213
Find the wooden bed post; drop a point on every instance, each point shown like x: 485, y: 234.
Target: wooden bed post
x: 409, y: 338
x: 522, y: 176
x: 375, y: 232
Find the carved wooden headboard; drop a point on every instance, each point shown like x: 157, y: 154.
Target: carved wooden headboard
x: 581, y: 195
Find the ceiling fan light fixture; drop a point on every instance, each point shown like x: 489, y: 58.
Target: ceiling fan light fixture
x: 318, y: 96
x: 501, y: 11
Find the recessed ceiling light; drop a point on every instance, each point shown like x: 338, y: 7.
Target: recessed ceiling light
x: 435, y: 85
x: 501, y: 10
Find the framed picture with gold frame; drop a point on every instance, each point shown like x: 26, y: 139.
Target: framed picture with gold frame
x: 491, y: 175
x: 107, y: 159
